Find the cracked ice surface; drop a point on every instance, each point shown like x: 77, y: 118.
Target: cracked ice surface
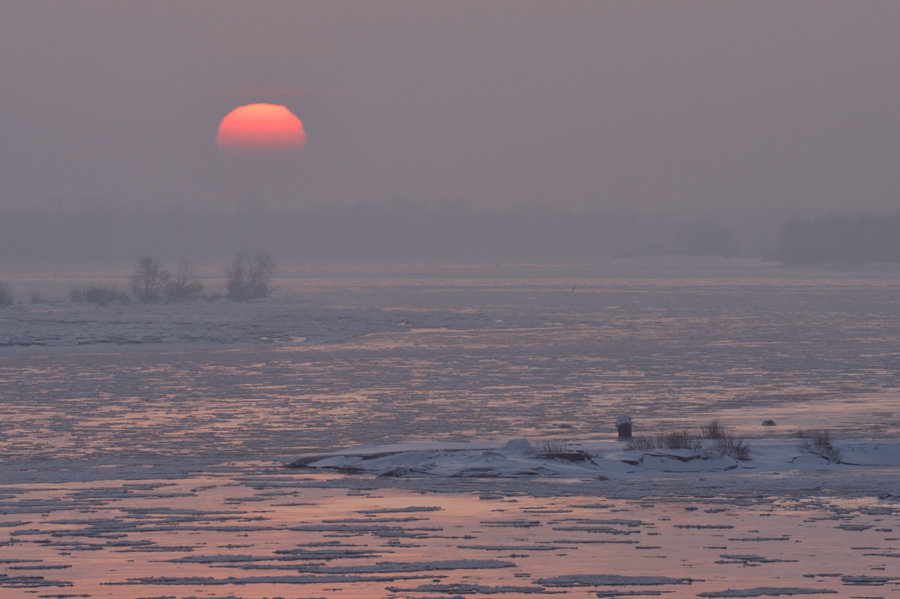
x: 143, y: 447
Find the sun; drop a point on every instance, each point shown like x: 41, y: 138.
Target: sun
x: 261, y: 127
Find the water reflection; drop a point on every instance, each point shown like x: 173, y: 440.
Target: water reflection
x: 283, y: 534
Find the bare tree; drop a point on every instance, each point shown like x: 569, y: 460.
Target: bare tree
x: 250, y: 276
x: 149, y: 280
x: 184, y: 285
x: 261, y: 270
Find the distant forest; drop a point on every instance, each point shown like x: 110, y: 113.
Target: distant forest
x: 840, y: 239
x: 380, y: 232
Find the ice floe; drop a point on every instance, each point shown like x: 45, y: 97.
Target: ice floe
x: 597, y: 580
x: 767, y: 592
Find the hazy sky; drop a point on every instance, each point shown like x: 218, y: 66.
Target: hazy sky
x: 677, y: 104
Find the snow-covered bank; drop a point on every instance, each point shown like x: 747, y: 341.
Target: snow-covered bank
x: 605, y: 460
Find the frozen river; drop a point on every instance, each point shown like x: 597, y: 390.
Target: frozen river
x: 143, y: 446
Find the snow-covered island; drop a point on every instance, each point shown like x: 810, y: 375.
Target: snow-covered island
x: 519, y: 458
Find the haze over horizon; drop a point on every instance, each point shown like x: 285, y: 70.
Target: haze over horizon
x: 686, y: 107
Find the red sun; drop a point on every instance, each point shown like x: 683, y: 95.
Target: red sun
x: 262, y: 127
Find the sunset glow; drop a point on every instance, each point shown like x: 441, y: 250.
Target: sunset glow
x: 261, y: 126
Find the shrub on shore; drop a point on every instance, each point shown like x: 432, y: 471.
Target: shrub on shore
x: 713, y: 430
x: 817, y: 441
x: 98, y: 294
x: 184, y: 284
x: 712, y: 438
x: 249, y: 276
x: 149, y: 280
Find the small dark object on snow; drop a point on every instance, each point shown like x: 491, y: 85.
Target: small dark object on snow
x: 623, y: 427
x: 768, y: 423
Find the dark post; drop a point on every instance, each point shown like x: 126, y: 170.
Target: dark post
x: 623, y: 426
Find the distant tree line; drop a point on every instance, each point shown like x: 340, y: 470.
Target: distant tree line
x: 248, y: 276
x: 840, y: 239
x: 392, y: 231
x: 694, y: 238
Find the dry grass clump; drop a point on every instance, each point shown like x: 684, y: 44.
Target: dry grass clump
x: 681, y: 439
x: 817, y: 441
x: 550, y: 446
x: 735, y: 447
x: 712, y: 438
x: 810, y: 438
x: 713, y: 430
x: 641, y: 444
